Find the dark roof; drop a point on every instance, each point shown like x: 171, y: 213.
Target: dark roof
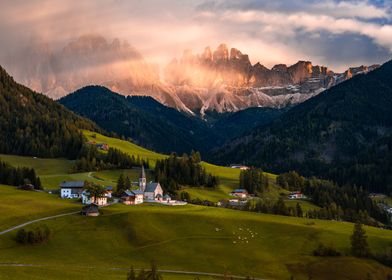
x: 138, y: 192
x: 91, y: 208
x: 109, y: 188
x: 128, y: 193
x: 239, y: 191
x: 151, y: 187
x: 142, y: 173
x: 72, y: 184
x: 166, y: 196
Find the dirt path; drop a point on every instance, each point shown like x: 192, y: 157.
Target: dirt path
x: 37, y: 220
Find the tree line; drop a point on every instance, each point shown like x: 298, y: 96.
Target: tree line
x: 349, y: 203
x: 254, y: 180
x: 174, y: 171
x: 91, y: 159
x: 17, y: 176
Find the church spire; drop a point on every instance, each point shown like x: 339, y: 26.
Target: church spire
x: 142, y: 179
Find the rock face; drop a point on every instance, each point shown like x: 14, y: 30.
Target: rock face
x: 216, y: 80
x: 225, y: 80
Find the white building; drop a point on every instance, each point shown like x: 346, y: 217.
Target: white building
x: 71, y: 189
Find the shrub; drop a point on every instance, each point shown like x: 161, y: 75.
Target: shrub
x: 35, y: 236
x: 326, y: 251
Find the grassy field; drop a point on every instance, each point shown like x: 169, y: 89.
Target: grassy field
x: 19, y: 206
x: 192, y: 238
x: 125, y: 146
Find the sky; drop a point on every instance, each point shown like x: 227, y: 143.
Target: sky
x: 337, y: 34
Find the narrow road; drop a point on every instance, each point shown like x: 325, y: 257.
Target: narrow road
x: 37, y: 220
x: 193, y: 273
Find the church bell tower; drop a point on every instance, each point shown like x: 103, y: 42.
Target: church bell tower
x: 142, y: 180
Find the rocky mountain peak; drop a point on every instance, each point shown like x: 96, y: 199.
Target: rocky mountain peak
x: 221, y: 53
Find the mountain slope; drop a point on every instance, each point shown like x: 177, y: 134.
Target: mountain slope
x: 158, y: 127
x: 344, y: 134
x: 32, y: 124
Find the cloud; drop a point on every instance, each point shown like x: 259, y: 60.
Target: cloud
x: 279, y: 31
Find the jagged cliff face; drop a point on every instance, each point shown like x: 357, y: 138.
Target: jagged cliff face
x: 224, y: 80
x: 88, y: 60
x: 220, y: 80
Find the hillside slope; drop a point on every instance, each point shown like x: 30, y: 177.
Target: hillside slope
x: 160, y: 128
x: 344, y: 134
x: 37, y: 125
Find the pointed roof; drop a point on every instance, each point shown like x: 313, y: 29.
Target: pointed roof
x: 142, y: 173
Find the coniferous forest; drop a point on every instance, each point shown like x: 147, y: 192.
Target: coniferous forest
x: 186, y: 170
x: 37, y: 125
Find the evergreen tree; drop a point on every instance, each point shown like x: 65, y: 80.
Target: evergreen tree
x: 120, y: 184
x: 359, y: 245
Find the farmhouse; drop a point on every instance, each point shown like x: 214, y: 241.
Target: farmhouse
x: 87, y: 199
x: 239, y: 166
x: 241, y: 193
x: 132, y: 197
x: 296, y: 195
x: 90, y: 210
x: 71, y: 189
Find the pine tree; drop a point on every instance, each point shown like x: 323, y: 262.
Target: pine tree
x: 359, y: 245
x: 120, y: 184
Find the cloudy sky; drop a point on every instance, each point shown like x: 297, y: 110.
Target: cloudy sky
x: 333, y: 33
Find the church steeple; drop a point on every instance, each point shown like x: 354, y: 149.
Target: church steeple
x: 142, y: 180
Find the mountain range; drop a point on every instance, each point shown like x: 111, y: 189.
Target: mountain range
x: 222, y: 80
x: 344, y: 134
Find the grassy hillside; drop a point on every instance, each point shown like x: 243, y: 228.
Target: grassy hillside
x: 186, y: 238
x: 20, y: 206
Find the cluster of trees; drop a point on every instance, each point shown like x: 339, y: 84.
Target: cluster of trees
x: 186, y: 170
x: 254, y: 180
x: 35, y: 236
x: 151, y: 274
x: 123, y: 184
x: 37, y: 125
x: 13, y: 176
x: 90, y: 159
x: 276, y: 208
x: 323, y: 250
x: 337, y: 202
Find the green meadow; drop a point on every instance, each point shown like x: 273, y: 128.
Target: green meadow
x: 191, y: 238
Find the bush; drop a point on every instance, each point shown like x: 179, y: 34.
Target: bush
x: 326, y: 251
x: 35, y: 236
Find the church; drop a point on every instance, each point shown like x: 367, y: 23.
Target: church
x: 152, y: 191
x: 149, y: 192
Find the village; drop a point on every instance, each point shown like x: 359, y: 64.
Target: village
x: 151, y: 192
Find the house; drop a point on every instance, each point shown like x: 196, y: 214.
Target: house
x: 86, y: 199
x: 109, y: 191
x: 71, y: 189
x: 241, y: 193
x: 102, y: 146
x: 90, y: 210
x: 167, y: 198
x: 296, y: 195
x: 239, y: 166
x: 132, y: 197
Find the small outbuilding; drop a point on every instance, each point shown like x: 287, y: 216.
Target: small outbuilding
x: 90, y: 210
x: 241, y: 193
